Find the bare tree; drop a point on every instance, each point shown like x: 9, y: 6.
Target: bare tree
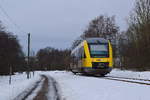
x: 102, y: 26
x: 11, y: 54
x: 138, y: 33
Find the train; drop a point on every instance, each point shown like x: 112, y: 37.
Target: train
x: 93, y: 56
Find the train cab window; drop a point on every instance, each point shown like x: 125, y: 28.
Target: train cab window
x: 99, y: 50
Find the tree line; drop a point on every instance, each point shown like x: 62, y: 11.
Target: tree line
x: 11, y: 54
x: 134, y: 43
x: 53, y: 59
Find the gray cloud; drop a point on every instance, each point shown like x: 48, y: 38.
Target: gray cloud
x: 58, y: 22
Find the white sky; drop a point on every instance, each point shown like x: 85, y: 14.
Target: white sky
x: 57, y: 23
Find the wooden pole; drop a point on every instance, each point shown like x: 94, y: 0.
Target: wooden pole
x: 28, y: 65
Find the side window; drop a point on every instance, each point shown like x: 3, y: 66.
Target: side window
x: 80, y: 53
x: 83, y: 53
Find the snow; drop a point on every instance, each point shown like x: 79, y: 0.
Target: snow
x: 52, y: 90
x: 130, y: 74
x: 78, y: 87
x: 19, y: 84
x: 35, y: 92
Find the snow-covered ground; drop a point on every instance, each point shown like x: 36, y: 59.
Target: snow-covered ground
x: 18, y: 85
x: 130, y: 74
x: 78, y: 87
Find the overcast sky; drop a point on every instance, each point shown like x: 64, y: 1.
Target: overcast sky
x: 57, y: 23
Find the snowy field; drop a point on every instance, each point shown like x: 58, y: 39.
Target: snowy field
x: 77, y: 87
x: 19, y: 84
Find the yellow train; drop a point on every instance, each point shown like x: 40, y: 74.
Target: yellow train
x: 92, y: 56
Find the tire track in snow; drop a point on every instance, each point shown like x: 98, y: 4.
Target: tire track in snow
x: 53, y: 93
x: 48, y: 90
x: 27, y: 92
x: 43, y: 91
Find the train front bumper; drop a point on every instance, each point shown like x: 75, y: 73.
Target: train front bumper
x: 97, y: 71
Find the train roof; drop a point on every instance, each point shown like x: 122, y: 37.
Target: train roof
x: 96, y: 40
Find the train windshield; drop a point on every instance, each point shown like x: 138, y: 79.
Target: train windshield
x: 99, y: 50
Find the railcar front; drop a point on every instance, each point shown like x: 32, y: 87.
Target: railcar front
x: 93, y: 56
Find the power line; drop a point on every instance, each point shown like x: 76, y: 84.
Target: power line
x: 10, y: 19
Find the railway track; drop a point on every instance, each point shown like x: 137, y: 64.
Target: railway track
x: 139, y: 79
x: 125, y: 79
x: 128, y: 80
